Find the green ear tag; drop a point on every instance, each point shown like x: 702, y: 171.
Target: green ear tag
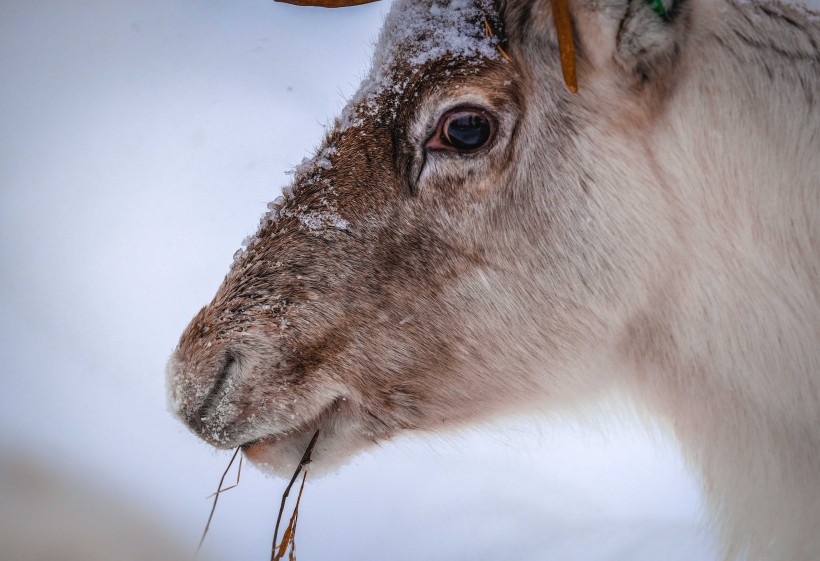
x: 659, y: 8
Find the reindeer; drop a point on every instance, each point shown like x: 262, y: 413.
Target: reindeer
x: 472, y: 239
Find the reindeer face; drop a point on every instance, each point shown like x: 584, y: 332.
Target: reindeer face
x: 422, y: 266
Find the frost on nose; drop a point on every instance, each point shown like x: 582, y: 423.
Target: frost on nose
x: 201, y: 395
x: 174, y: 386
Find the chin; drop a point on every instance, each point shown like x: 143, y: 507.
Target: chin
x: 280, y: 455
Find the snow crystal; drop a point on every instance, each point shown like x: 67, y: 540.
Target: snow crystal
x: 307, y: 167
x: 317, y: 222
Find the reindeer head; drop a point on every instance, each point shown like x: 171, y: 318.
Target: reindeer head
x: 467, y: 240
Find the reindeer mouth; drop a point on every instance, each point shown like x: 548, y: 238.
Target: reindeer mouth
x: 280, y: 453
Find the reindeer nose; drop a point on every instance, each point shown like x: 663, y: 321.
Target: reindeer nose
x: 201, y: 393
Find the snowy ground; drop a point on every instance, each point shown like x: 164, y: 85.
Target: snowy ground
x: 140, y: 143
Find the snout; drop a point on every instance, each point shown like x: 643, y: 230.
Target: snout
x: 205, y: 393
x: 239, y: 391
x: 236, y: 387
x: 221, y: 381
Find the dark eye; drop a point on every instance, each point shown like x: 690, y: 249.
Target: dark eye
x: 463, y: 130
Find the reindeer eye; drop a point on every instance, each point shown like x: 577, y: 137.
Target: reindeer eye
x: 463, y: 130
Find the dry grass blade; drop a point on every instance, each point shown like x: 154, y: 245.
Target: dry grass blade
x: 228, y: 488
x: 327, y: 3
x: 302, y: 463
x: 566, y: 42
x: 295, y: 519
x: 219, y: 490
x: 289, y: 537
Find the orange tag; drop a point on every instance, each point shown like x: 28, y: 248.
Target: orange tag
x: 566, y: 43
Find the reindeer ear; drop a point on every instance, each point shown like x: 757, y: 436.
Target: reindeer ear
x: 649, y: 36
x: 640, y: 37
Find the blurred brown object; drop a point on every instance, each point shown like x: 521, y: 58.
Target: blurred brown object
x: 47, y: 514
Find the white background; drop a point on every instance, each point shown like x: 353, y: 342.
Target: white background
x: 139, y: 143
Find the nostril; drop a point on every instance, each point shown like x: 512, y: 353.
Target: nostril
x: 208, y: 390
x: 212, y: 398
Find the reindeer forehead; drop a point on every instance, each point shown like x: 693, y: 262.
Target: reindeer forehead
x: 417, y: 34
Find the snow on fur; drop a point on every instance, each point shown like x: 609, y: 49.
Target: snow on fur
x: 414, y: 34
